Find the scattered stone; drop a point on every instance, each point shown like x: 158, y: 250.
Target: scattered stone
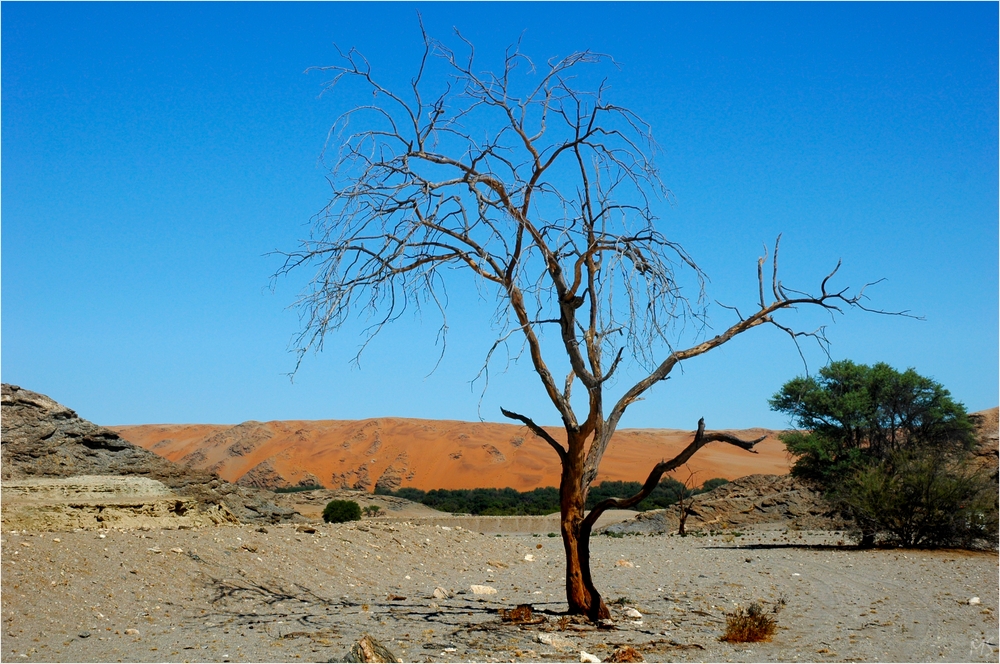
x: 483, y: 590
x: 496, y: 563
x: 529, y: 557
x: 625, y: 654
x: 262, y: 529
x: 587, y: 657
x: 974, y: 600
x: 367, y: 649
x: 177, y: 549
x: 394, y: 598
x: 441, y: 593
x: 554, y: 640
x: 84, y: 635
x: 132, y: 632
x: 303, y: 528
x: 624, y: 563
x: 632, y: 613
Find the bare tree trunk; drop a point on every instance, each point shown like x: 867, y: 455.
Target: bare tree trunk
x: 580, y: 558
x: 598, y: 609
x: 580, y: 593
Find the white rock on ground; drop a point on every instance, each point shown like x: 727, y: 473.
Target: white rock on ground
x: 554, y: 640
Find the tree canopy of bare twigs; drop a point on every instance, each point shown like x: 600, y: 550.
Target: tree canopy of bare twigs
x: 530, y: 182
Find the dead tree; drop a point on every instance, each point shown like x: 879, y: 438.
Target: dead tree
x: 543, y: 192
x: 682, y: 502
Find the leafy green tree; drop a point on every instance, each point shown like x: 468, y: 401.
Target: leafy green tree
x: 892, y: 449
x: 854, y: 414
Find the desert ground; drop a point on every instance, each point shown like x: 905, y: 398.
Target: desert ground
x: 109, y: 552
x: 282, y: 593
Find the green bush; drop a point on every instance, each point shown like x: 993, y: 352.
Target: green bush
x: 891, y: 449
x: 341, y: 511
x: 919, y: 499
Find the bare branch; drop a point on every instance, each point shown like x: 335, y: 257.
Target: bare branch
x: 537, y: 430
x: 701, y: 438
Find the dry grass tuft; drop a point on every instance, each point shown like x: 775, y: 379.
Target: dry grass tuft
x: 750, y: 625
x: 625, y: 654
x: 522, y: 614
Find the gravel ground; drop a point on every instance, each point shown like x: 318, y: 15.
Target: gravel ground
x: 244, y: 593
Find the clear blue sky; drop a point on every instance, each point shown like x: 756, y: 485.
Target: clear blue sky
x: 153, y: 154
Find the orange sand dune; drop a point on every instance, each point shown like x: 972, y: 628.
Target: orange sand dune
x: 429, y: 454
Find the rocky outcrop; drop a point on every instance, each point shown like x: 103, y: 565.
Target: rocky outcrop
x: 103, y: 501
x: 494, y: 454
x: 241, y: 439
x: 745, y: 501
x: 44, y: 440
x: 262, y: 476
x: 309, y: 480
x: 359, y: 479
x: 392, y: 478
x: 987, y: 428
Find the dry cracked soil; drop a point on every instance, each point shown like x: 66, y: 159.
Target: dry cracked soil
x: 280, y: 593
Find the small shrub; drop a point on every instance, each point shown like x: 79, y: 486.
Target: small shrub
x: 625, y: 654
x: 372, y: 510
x: 750, y: 625
x: 341, y: 511
x: 553, y: 535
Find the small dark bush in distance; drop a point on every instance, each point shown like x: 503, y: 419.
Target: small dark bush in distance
x: 341, y: 511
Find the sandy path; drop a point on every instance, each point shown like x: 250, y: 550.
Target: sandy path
x: 233, y: 593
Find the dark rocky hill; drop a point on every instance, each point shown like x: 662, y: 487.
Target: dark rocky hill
x: 44, y: 440
x: 755, y: 499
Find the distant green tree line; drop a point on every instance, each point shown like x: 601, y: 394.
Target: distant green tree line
x: 298, y: 489
x: 511, y: 502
